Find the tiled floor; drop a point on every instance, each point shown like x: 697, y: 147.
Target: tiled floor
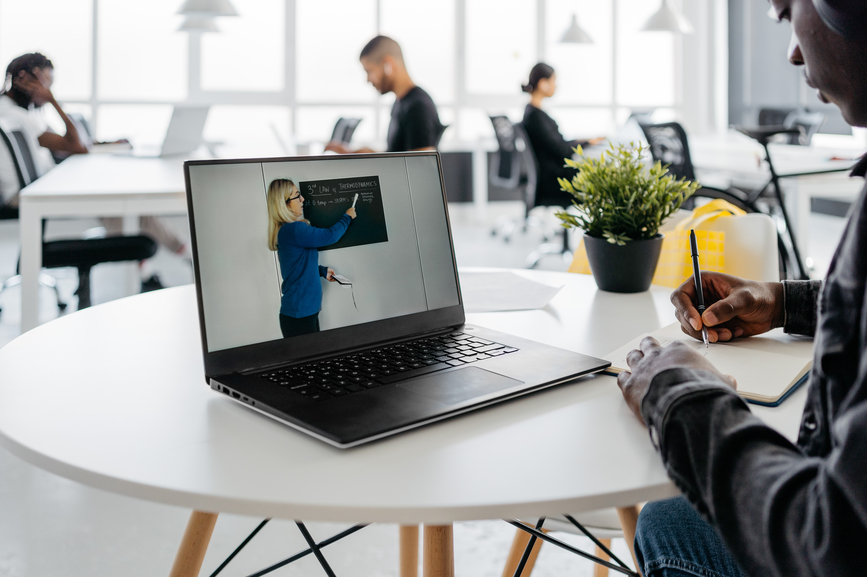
x: 50, y: 526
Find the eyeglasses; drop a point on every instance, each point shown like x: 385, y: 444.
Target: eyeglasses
x: 291, y: 198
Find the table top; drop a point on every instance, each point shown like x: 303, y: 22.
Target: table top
x: 114, y: 397
x: 108, y: 175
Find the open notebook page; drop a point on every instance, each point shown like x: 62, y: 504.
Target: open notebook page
x: 765, y: 367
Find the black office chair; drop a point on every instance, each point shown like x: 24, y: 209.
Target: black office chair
x: 774, y: 116
x: 510, y: 170
x: 82, y: 254
x: 344, y: 129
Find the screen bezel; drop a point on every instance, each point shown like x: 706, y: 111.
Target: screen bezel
x: 334, y: 341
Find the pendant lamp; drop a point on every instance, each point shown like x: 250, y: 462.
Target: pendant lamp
x: 207, y: 8
x: 668, y: 19
x: 198, y: 24
x: 575, y: 34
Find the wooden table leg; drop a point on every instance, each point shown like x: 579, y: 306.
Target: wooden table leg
x: 519, y: 544
x: 194, y: 544
x: 628, y: 520
x: 409, y: 551
x: 602, y: 570
x: 438, y: 553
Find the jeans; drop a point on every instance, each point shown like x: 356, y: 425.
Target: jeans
x: 672, y: 540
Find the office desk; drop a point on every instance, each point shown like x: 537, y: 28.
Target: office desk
x: 132, y: 414
x: 92, y: 185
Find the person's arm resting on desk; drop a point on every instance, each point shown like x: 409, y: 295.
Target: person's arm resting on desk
x: 779, y: 511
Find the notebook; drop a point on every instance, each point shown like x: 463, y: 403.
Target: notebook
x: 768, y: 368
x: 388, y: 349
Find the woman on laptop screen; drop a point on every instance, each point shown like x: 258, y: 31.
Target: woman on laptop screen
x: 296, y: 243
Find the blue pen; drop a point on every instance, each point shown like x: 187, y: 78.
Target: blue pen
x: 693, y: 245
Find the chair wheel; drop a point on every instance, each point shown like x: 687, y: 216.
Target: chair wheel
x: 61, y: 306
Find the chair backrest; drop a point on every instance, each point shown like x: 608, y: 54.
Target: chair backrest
x: 15, y: 140
x: 84, y: 131
x: 774, y: 116
x: 505, y: 168
x: 529, y: 165
x: 808, y: 122
x: 344, y: 129
x: 668, y: 145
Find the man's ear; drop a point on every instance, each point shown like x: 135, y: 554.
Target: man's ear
x: 388, y: 65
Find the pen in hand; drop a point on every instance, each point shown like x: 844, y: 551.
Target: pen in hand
x: 693, y: 245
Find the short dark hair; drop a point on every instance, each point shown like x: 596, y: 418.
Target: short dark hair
x: 379, y: 47
x: 539, y: 71
x: 28, y: 62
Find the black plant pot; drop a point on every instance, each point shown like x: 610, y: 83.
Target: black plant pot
x: 623, y: 269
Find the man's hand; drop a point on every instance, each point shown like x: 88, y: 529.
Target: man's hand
x: 329, y: 276
x: 735, y: 307
x: 351, y: 212
x: 650, y: 360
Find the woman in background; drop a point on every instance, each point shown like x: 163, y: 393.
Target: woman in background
x: 296, y: 243
x: 548, y: 144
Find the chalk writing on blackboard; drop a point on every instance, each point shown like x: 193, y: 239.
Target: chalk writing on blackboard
x: 325, y: 201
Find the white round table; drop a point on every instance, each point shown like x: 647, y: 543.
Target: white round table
x: 115, y: 397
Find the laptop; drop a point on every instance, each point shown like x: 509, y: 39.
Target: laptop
x: 391, y: 350
x: 183, y: 135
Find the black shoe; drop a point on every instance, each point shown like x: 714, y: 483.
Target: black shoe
x: 151, y: 284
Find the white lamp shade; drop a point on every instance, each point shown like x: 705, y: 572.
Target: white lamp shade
x: 668, y: 19
x: 197, y: 24
x: 207, y: 8
x: 575, y: 34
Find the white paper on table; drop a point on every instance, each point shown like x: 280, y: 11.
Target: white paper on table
x: 503, y: 291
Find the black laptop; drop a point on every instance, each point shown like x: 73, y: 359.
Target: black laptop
x: 387, y: 349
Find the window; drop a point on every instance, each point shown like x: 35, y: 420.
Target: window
x: 426, y: 34
x: 584, y: 71
x: 501, y: 45
x: 248, y: 53
x: 329, y: 37
x: 141, y: 55
x: 645, y: 60
x: 55, y: 28
x: 250, y: 130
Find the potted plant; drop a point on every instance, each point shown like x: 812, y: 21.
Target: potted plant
x: 620, y: 206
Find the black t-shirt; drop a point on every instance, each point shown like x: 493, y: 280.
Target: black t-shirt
x: 414, y: 122
x: 551, y: 150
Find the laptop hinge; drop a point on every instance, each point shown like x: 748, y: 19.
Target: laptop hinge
x: 385, y: 343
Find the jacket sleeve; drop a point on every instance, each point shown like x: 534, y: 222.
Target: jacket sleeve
x: 801, y: 303
x: 779, y: 511
x: 312, y: 237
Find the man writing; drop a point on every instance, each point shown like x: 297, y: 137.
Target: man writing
x: 414, y: 124
x: 773, y: 508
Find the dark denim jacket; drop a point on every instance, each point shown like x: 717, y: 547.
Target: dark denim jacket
x: 783, y: 509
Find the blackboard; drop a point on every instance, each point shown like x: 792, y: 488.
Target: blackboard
x: 325, y: 201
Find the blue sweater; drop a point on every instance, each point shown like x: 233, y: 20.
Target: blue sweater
x: 299, y: 262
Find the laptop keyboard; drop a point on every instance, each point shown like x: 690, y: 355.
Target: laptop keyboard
x: 360, y: 371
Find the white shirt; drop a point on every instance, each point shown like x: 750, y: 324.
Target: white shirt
x: 33, y: 125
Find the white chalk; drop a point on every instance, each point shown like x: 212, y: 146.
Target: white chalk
x: 354, y: 199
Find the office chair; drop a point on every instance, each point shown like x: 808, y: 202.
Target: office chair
x: 343, y: 130
x: 774, y: 116
x: 82, y: 254
x: 440, y: 131
x: 511, y: 170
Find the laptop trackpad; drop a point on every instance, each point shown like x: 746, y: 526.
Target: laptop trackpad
x: 457, y: 386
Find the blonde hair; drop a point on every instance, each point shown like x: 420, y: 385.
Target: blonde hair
x: 279, y: 192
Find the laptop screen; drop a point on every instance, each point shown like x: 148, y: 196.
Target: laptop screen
x: 278, y: 258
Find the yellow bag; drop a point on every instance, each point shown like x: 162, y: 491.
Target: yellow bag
x: 675, y: 260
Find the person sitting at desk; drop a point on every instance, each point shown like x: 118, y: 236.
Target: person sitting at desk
x: 548, y: 144
x: 772, y: 507
x: 414, y: 124
x: 296, y: 243
x: 28, y: 88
